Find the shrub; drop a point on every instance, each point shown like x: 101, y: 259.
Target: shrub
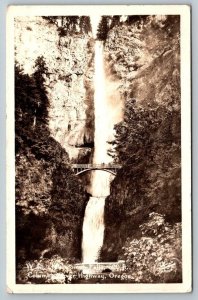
x: 156, y: 256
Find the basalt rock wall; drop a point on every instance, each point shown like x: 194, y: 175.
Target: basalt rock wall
x: 144, y: 56
x: 68, y: 81
x: 54, y: 127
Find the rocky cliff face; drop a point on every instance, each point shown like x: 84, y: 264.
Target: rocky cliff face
x: 68, y: 81
x: 144, y: 56
x: 54, y: 126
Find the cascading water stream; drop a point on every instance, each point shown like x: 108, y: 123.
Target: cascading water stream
x: 108, y: 109
x: 93, y: 226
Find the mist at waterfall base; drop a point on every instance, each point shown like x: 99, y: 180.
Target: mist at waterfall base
x: 107, y: 114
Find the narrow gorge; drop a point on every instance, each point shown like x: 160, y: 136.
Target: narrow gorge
x: 98, y: 91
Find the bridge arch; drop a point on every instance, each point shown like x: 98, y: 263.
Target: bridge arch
x: 95, y: 169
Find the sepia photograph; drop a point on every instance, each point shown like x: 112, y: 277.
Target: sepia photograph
x: 98, y: 149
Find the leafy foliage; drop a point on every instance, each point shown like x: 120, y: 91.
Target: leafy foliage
x: 46, y: 188
x: 156, y: 256
x: 151, y: 179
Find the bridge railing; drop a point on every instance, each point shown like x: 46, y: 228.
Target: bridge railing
x: 96, y: 166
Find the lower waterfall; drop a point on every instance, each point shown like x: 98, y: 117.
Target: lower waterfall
x: 93, y: 229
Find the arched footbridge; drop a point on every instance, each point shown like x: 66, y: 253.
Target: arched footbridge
x: 82, y: 168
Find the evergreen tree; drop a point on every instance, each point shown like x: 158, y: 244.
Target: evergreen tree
x: 47, y: 191
x: 103, y: 28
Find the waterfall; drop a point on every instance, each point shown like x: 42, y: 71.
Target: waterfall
x: 107, y: 113
x: 93, y: 226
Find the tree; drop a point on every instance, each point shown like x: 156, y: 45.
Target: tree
x: 103, y: 28
x: 47, y: 192
x: 68, y: 24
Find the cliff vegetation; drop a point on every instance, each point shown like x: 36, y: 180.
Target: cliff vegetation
x: 50, y: 200
x: 145, y: 56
